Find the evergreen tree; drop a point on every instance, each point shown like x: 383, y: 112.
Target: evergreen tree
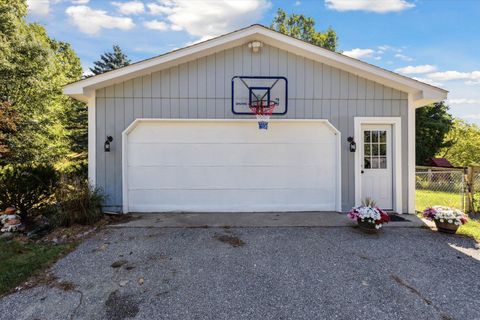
x: 110, y: 61
x: 302, y: 27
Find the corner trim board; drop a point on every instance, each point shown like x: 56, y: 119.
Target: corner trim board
x: 92, y: 130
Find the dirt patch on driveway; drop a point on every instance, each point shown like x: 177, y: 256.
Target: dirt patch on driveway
x: 232, y: 240
x: 121, y: 306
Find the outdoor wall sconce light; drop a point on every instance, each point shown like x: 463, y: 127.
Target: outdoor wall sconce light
x: 255, y: 46
x: 353, y: 145
x: 106, y: 146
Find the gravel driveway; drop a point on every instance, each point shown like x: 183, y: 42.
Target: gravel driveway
x: 260, y: 273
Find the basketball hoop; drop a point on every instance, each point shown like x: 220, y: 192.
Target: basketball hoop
x: 263, y: 110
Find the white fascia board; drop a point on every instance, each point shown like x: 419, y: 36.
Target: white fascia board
x: 260, y: 33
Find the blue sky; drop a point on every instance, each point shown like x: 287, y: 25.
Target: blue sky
x: 436, y: 41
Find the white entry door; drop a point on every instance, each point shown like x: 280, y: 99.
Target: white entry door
x: 377, y: 165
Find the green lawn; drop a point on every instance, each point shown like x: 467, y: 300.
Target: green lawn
x: 427, y: 198
x: 19, y: 261
x: 471, y: 229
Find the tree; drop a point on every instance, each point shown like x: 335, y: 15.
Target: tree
x: 433, y: 123
x: 8, y: 127
x: 110, y: 61
x: 463, y: 144
x: 302, y: 27
x: 33, y: 70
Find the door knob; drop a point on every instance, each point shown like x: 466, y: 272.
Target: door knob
x: 362, y: 171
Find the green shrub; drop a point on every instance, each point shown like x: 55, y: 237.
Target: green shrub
x: 77, y: 202
x: 28, y: 186
x: 476, y: 202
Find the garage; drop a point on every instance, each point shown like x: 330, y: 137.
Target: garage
x: 230, y: 166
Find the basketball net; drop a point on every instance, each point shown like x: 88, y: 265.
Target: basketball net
x: 263, y: 110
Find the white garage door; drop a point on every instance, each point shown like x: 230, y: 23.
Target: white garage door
x: 230, y: 166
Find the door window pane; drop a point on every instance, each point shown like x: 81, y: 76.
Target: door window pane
x: 367, y: 149
x: 366, y: 135
x: 374, y: 136
x: 366, y: 163
x: 383, y: 163
x: 375, y: 163
x: 383, y: 136
x: 375, y: 149
x: 383, y: 149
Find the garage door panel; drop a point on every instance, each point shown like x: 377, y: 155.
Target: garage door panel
x: 229, y: 154
x: 230, y: 177
x: 231, y: 166
x: 231, y: 200
x: 234, y: 132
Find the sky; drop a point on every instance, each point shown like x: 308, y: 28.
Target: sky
x: 434, y: 41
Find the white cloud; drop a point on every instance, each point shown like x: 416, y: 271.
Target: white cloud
x: 428, y: 81
x: 39, y: 7
x: 207, y: 19
x: 473, y: 76
x: 471, y: 116
x: 426, y: 68
x: 80, y: 1
x: 464, y: 101
x: 403, y: 57
x: 378, y: 6
x: 92, y: 21
x: 130, y: 7
x: 297, y: 3
x: 156, y: 25
x: 472, y: 83
x: 158, y: 9
x: 358, y: 53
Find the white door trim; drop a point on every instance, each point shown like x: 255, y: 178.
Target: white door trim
x: 397, y: 163
x: 136, y: 122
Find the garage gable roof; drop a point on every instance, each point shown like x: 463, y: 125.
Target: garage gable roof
x: 421, y: 93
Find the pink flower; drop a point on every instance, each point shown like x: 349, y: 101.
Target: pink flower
x: 429, y: 213
x: 353, y: 214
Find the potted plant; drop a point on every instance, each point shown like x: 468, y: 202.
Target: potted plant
x: 369, y: 217
x: 447, y: 220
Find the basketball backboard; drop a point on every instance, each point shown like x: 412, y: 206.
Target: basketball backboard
x: 250, y: 89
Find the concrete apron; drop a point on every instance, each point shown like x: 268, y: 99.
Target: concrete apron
x: 253, y: 219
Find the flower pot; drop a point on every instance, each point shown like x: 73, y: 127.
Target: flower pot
x: 367, y: 227
x: 446, y: 227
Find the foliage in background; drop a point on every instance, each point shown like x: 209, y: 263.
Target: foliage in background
x: 110, y: 61
x: 27, y: 187
x: 433, y: 122
x: 8, y: 127
x: 77, y: 202
x: 302, y: 27
x: 33, y: 70
x: 462, y: 144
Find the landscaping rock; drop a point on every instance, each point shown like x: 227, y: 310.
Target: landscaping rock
x: 40, y: 232
x: 6, y: 236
